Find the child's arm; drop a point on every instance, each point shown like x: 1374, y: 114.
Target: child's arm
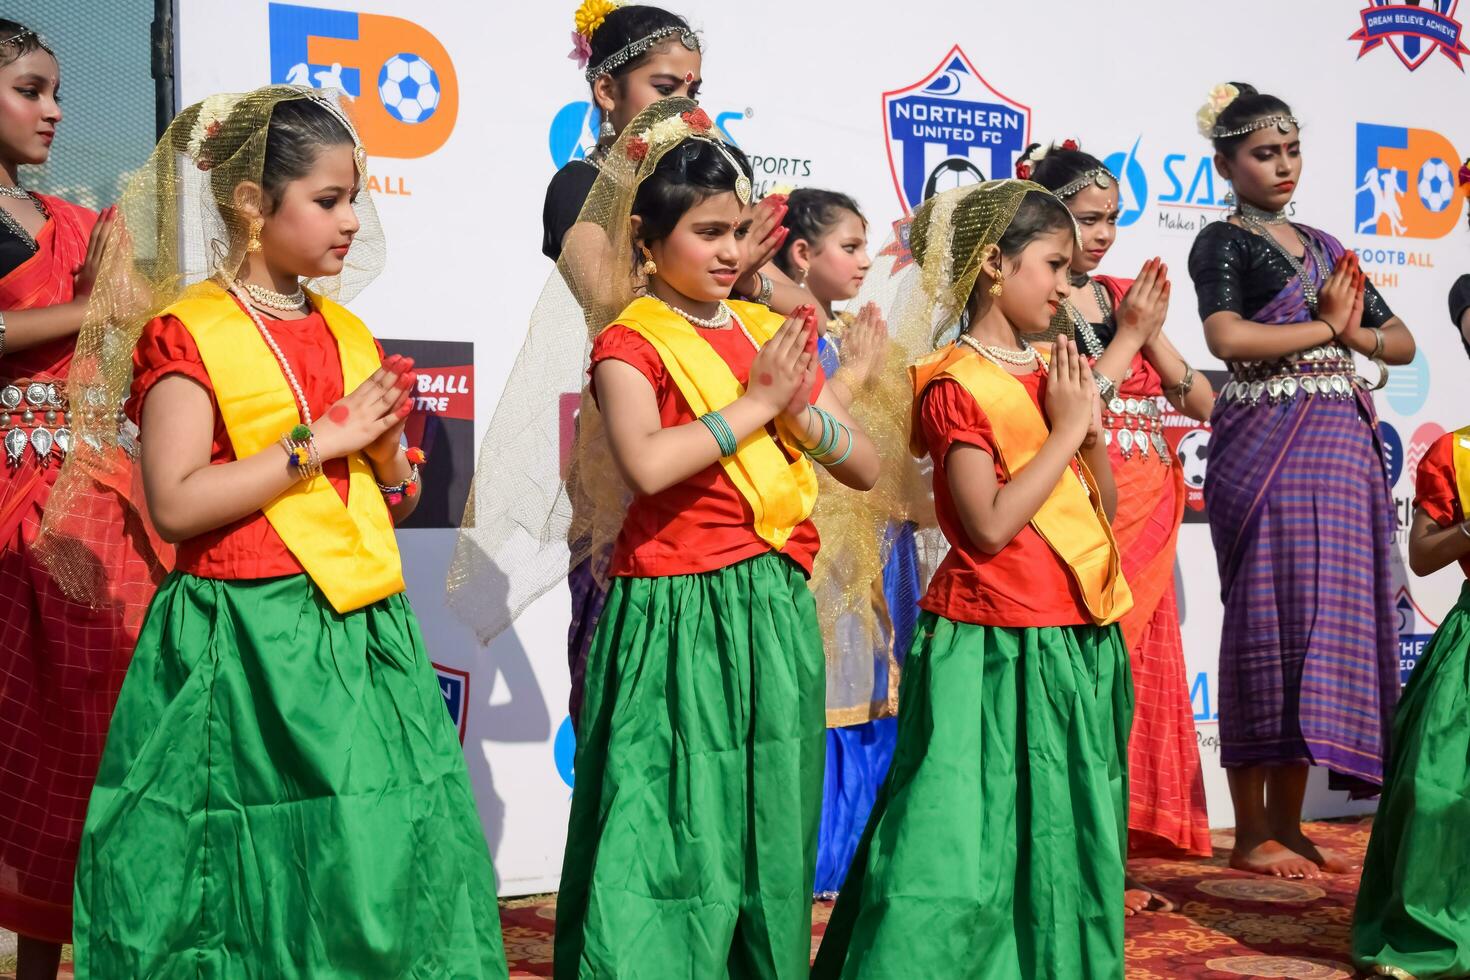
x: 860, y: 469
x: 994, y: 513
x: 1432, y: 546
x: 188, y: 496
x: 652, y: 458
x: 40, y: 325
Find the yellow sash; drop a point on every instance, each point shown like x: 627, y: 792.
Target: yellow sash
x: 781, y: 491
x: 1071, y: 521
x: 348, y: 549
x: 1460, y: 454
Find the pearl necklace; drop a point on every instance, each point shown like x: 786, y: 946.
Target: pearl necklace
x: 720, y: 319
x: 280, y: 356
x: 269, y: 298
x: 1001, y: 355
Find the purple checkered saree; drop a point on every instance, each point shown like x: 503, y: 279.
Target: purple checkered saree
x: 1302, y: 523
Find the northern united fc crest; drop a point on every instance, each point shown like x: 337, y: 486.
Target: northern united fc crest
x: 949, y: 129
x: 1414, y: 30
x: 454, y: 685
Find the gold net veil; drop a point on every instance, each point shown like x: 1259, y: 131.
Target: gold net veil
x: 178, y: 225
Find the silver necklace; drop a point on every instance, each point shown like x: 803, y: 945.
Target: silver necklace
x: 1309, y: 288
x: 1001, y: 355
x: 1247, y: 210
x: 13, y: 225
x: 720, y: 319
x: 269, y: 298
x: 280, y: 356
x: 1091, y: 343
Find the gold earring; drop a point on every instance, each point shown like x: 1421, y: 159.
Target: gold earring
x: 995, y: 289
x: 649, y: 266
x: 253, y: 244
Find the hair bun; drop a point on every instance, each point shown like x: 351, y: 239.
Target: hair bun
x: 1246, y: 88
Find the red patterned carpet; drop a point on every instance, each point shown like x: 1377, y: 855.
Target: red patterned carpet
x: 1229, y: 925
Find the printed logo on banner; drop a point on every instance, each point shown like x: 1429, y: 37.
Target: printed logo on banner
x: 455, y: 686
x: 564, y: 753
x: 1405, y: 183
x: 1393, y: 452
x: 1415, y: 630
x: 949, y: 129
x: 1191, y: 193
x: 1413, y: 30
x: 1408, y: 385
x: 573, y: 131
x: 1190, y: 442
x: 405, y: 95
x: 1424, y: 437
x: 1206, y: 708
x: 442, y: 425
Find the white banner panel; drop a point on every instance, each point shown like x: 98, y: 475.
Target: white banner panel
x: 468, y: 109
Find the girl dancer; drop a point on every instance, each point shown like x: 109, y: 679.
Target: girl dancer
x: 1118, y: 326
x: 1297, y: 496
x: 691, y: 844
x: 61, y: 659
x: 282, y: 793
x: 826, y: 253
x: 996, y: 846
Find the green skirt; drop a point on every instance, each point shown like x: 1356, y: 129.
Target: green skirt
x: 996, y: 846
x: 1413, y: 912
x: 692, y: 842
x: 282, y: 795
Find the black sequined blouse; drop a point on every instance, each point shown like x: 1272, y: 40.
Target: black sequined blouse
x: 1235, y: 270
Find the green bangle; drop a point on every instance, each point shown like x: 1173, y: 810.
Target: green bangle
x: 720, y: 429
x: 843, y: 458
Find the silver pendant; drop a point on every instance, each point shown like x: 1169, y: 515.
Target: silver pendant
x: 1132, y: 406
x: 36, y: 394
x: 53, y: 396
x: 41, y: 442
x: 15, y: 446
x: 1117, y: 406
x: 1125, y: 442
x: 1309, y: 385
x: 1339, y: 384
x: 1141, y: 441
x: 1257, y: 388
x: 10, y: 397
x: 1107, y: 437
x: 1288, y: 387
x: 1273, y: 388
x: 1161, y: 446
x: 63, y: 441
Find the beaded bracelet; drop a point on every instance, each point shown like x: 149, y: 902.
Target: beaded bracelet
x: 720, y: 429
x: 301, y: 452
x: 410, y: 487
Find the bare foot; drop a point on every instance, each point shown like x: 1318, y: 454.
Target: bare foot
x: 1272, y: 858
x: 1328, y: 860
x: 1138, y: 897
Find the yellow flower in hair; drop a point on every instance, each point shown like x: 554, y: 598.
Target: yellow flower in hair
x: 591, y: 14
x: 1220, y: 97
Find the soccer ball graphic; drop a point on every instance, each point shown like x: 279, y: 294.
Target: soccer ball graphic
x: 409, y: 88
x: 951, y: 173
x: 1194, y: 456
x: 1436, y: 184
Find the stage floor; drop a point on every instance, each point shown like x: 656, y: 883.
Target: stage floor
x: 1228, y: 925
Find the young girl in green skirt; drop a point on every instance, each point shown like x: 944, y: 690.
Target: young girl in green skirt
x: 691, y: 845
x: 996, y: 846
x: 1413, y: 914
x: 282, y: 793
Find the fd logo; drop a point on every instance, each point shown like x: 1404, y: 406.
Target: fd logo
x: 1413, y: 30
x: 454, y: 685
x: 949, y: 129
x: 405, y: 96
x: 1405, y: 183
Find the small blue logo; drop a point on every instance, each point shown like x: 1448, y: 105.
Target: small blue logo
x: 1408, y: 385
x: 1133, y: 189
x: 454, y: 686
x: 1393, y: 452
x: 564, y: 752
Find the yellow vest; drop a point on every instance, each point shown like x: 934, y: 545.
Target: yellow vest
x: 781, y: 491
x: 1071, y: 519
x: 348, y: 549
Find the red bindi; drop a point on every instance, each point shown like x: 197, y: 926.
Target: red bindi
x: 339, y: 414
x: 766, y: 378
x: 1130, y: 317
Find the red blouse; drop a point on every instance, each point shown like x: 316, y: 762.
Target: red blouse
x: 1026, y: 584
x: 1435, y: 491
x: 250, y: 547
x: 702, y: 523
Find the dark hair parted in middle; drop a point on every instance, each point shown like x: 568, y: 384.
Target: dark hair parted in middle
x: 810, y: 214
x: 690, y: 173
x: 1248, y: 106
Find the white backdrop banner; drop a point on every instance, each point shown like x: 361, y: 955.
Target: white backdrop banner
x: 468, y: 108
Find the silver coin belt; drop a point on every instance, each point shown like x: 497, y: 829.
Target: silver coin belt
x: 34, y: 418
x: 1327, y: 371
x: 1135, y: 425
